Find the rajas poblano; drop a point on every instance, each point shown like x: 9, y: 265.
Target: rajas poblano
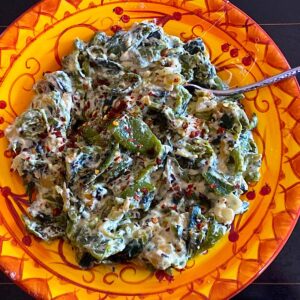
x: 125, y: 162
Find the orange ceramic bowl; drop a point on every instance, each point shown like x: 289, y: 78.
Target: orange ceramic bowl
x: 243, y: 53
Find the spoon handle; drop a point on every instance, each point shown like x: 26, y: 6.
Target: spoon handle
x: 255, y: 85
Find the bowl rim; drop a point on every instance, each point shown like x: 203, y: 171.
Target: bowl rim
x: 293, y: 223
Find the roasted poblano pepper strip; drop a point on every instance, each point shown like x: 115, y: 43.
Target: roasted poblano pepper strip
x: 201, y: 148
x: 214, y: 232
x: 125, y: 85
x: 117, y: 168
x: 132, y: 249
x: 195, y: 235
x: 91, y: 136
x: 182, y: 100
x: 251, y: 174
x: 218, y: 183
x: 253, y: 122
x: 135, y: 135
x: 106, y: 163
x: 238, y: 159
x: 142, y: 182
x: 49, y: 229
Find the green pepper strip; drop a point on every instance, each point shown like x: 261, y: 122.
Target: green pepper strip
x: 135, y: 135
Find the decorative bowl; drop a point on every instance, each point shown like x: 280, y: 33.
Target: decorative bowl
x: 242, y: 53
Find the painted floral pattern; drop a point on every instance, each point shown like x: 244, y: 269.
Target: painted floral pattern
x: 243, y: 53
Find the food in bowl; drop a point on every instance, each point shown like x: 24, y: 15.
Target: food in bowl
x: 124, y: 162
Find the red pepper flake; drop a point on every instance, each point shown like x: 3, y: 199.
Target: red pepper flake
x: 112, y: 115
x: 63, y: 119
x: 144, y: 191
x: 136, y: 197
x: 132, y: 140
x: 176, y: 80
x: 127, y: 129
x: 102, y: 82
x: 194, y: 134
x: 251, y: 195
x: 61, y: 148
x: 234, y: 52
x: 158, y: 161
x: 203, y: 209
x: 237, y: 186
x: 225, y: 47
x: 118, y: 10
x: 177, y: 16
x: 176, y: 187
x: 221, y: 130
x: 117, y: 158
x: 125, y: 18
x: 265, y: 190
x: 1, y: 133
x: 203, y: 131
x: 2, y: 104
x: 149, y: 122
x: 213, y: 186
x: 88, y: 105
x: 200, y: 226
x: 174, y: 207
x: 120, y: 106
x: 48, y: 149
x: 56, y: 211
x: 75, y: 98
x: 85, y: 86
x: 1, y: 120
x: 57, y: 133
x: 188, y: 192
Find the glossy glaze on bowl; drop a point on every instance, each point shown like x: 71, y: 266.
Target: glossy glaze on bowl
x: 242, y: 53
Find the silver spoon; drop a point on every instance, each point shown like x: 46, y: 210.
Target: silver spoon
x: 250, y: 87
